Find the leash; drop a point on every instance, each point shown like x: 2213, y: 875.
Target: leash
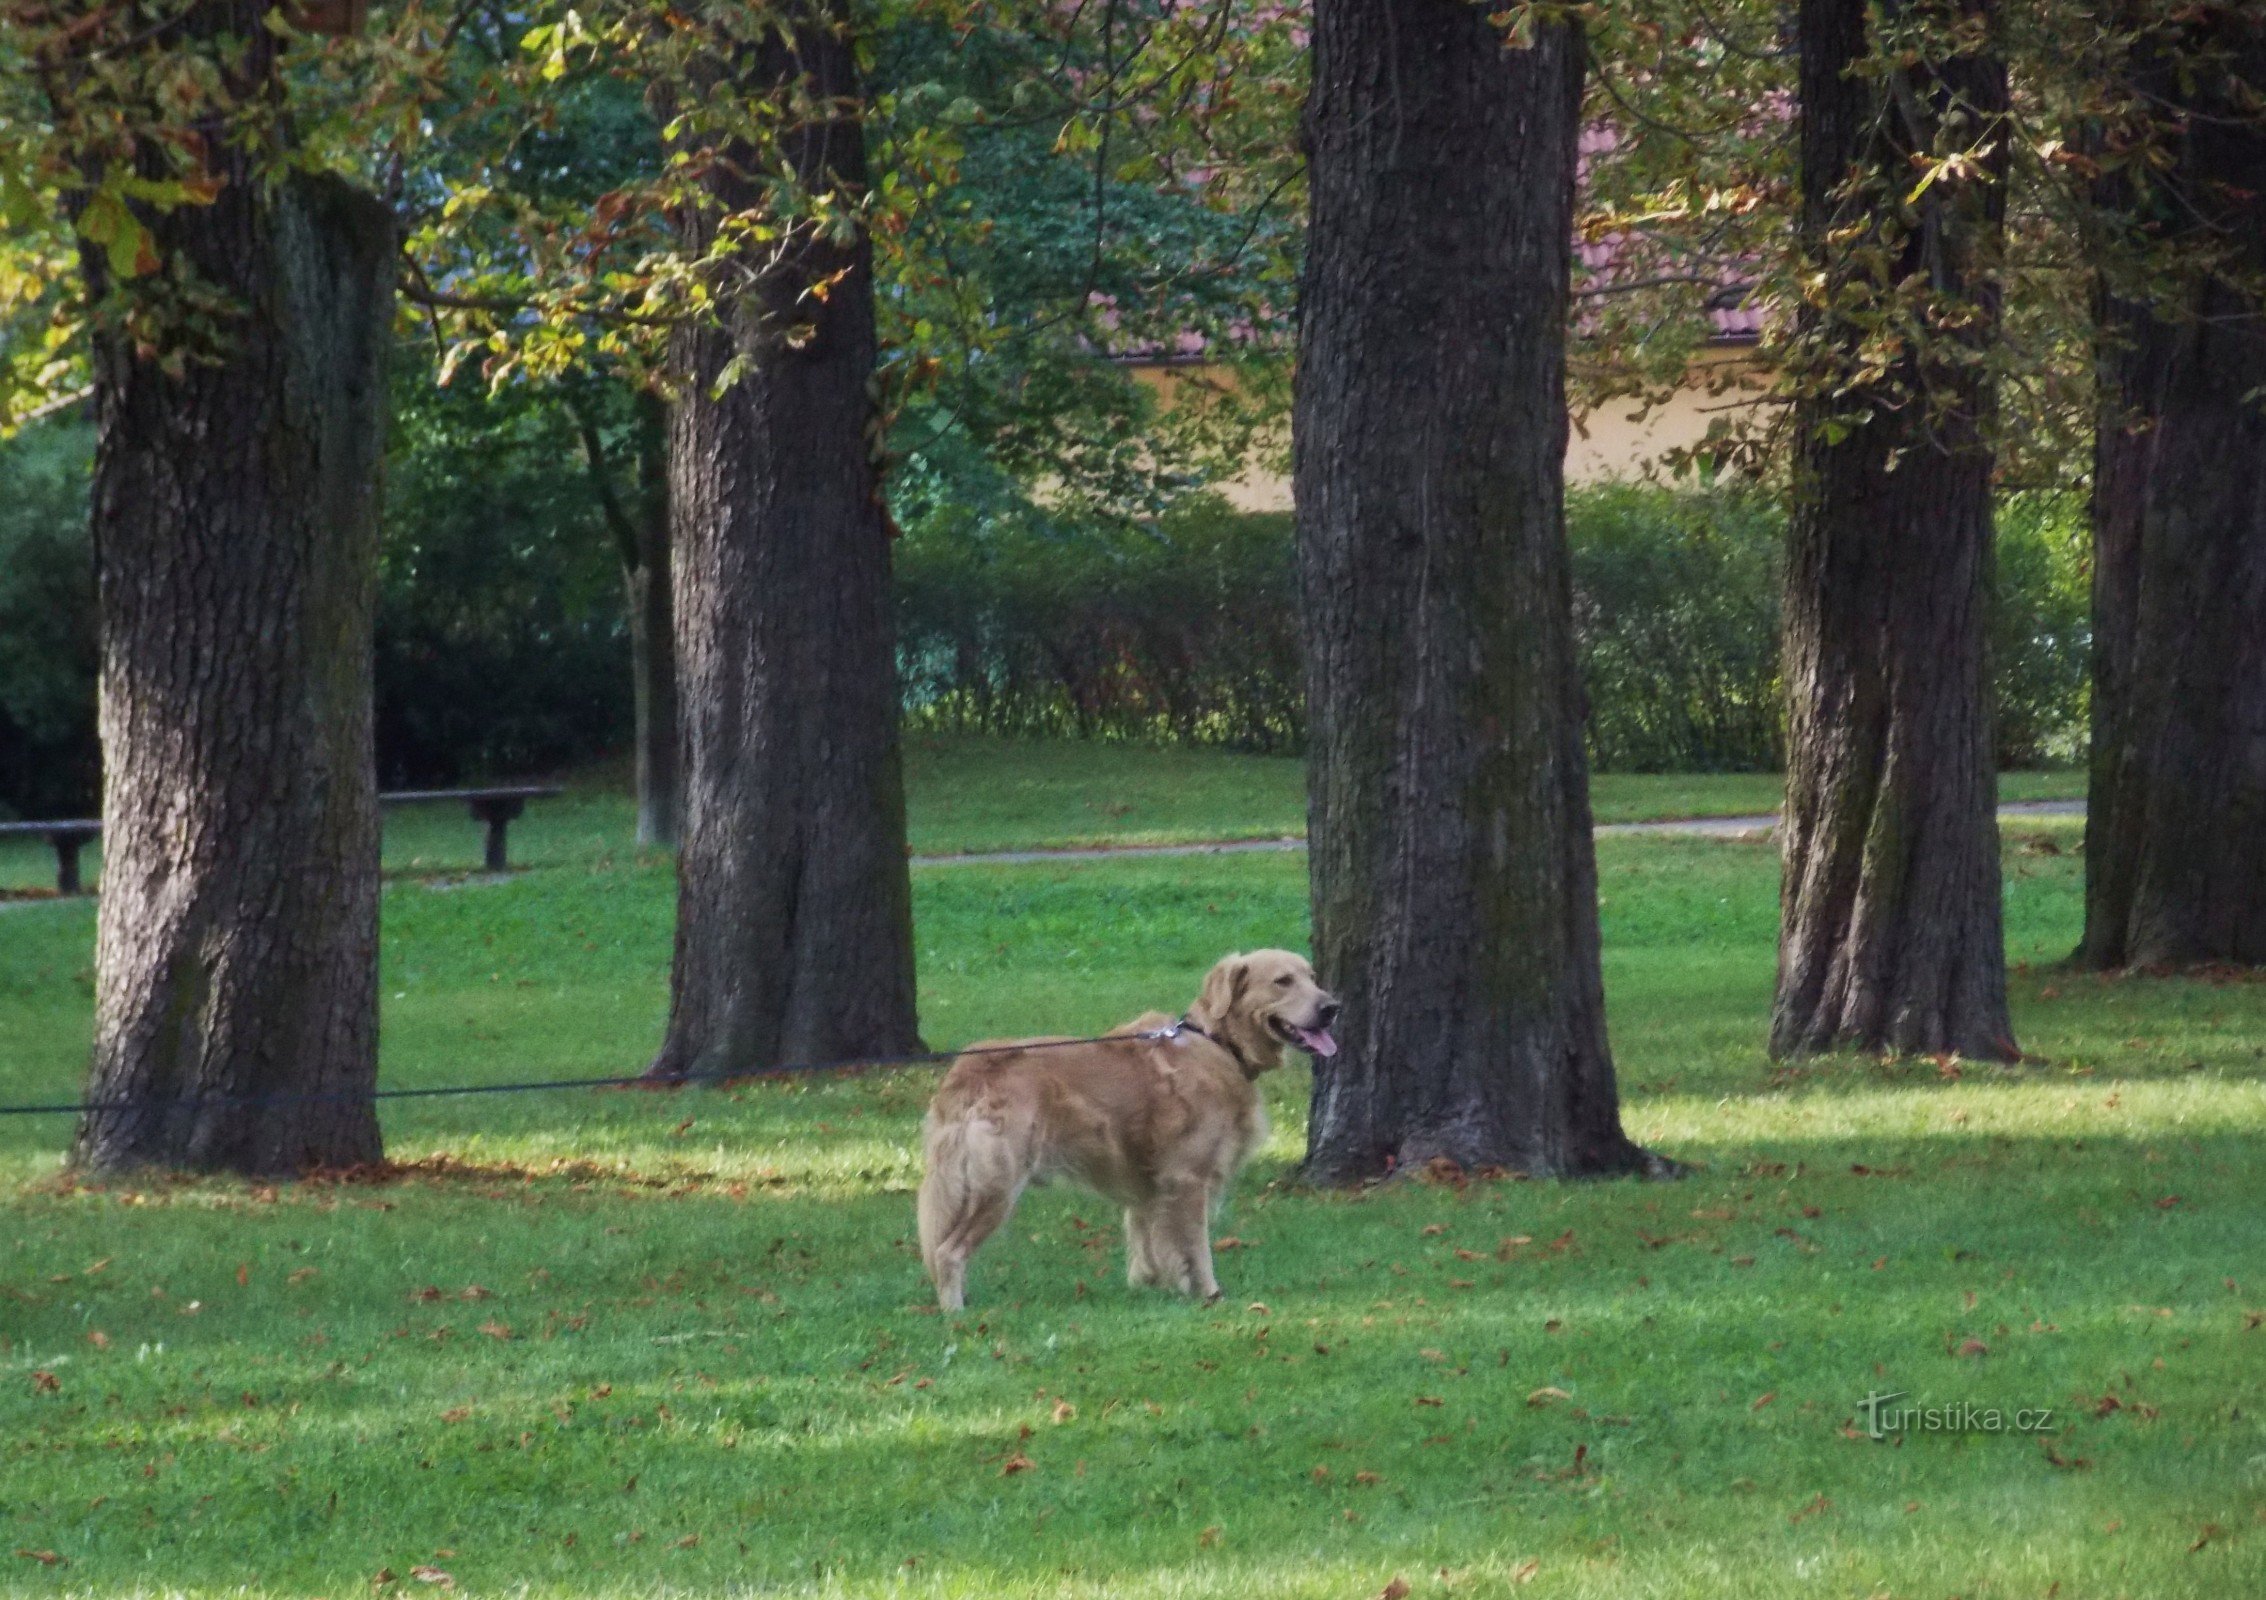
x: 924, y: 1058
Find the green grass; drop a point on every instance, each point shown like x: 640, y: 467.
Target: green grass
x: 971, y: 794
x: 625, y: 1344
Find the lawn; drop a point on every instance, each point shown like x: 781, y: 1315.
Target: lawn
x: 974, y: 794
x: 631, y: 1344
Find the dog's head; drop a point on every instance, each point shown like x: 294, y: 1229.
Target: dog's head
x: 1257, y: 1004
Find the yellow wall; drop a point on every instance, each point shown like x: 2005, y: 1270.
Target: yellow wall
x: 1618, y: 440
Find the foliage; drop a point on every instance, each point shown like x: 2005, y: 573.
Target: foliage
x: 1676, y: 608
x: 502, y: 646
x: 590, y: 1347
x: 1184, y: 629
x: 2041, y: 635
x: 49, y: 762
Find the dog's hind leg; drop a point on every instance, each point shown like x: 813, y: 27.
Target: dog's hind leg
x: 972, y: 1184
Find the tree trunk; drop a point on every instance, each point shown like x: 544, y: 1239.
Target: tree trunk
x: 1454, y: 878
x: 794, y: 906
x: 1890, y: 936
x: 2175, y: 835
x: 641, y: 544
x: 235, y: 522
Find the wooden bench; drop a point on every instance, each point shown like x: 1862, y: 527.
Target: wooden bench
x: 68, y: 838
x: 498, y: 808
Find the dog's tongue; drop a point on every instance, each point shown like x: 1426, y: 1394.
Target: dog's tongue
x: 1317, y: 1040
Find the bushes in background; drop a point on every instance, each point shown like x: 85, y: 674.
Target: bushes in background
x: 50, y: 761
x: 502, y: 650
x: 1186, y: 630
x: 1183, y: 631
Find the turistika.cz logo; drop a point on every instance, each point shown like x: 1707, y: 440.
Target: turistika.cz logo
x: 1884, y: 1418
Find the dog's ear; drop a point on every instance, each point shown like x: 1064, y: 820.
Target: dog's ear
x: 1223, y: 986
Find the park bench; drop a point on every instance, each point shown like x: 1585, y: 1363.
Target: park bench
x: 498, y: 808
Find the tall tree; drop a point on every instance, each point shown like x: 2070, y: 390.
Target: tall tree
x: 1890, y: 935
x: 640, y: 527
x: 794, y: 906
x: 239, y: 364
x: 1454, y: 877
x: 2175, y: 837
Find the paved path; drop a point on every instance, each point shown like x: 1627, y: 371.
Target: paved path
x: 1694, y: 827
x: 1691, y: 827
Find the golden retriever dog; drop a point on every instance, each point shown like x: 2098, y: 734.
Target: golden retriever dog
x: 1156, y: 1117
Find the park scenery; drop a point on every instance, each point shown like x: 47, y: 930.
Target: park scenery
x: 1589, y: 678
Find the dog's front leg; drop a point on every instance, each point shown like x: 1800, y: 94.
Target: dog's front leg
x: 1183, y: 1241
x: 1140, y: 1249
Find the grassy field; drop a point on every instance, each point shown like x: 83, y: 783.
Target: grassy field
x: 968, y: 794
x: 630, y: 1344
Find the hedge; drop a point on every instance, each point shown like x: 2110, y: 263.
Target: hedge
x: 1186, y: 631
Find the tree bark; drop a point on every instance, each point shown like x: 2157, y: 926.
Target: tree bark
x: 2175, y: 836
x: 1454, y: 877
x: 794, y: 908
x: 236, y: 532
x: 641, y: 543
x: 1890, y: 936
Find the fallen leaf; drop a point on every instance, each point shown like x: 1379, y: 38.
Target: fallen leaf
x: 1524, y: 1572
x: 1547, y: 1396
x: 1973, y: 1347
x: 1763, y: 1399
x: 687, y: 1542
x: 243, y: 1274
x: 1430, y: 1400
x: 1064, y: 1411
x: 45, y: 1382
x: 46, y: 1558
x: 456, y: 1414
x: 99, y: 1339
x: 2209, y: 1531
x: 383, y: 1577
x: 434, y: 1576
x: 1209, y: 1538
x: 494, y: 1329
x: 1395, y: 1590
x: 1018, y: 1462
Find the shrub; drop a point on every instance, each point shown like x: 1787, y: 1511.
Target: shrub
x: 50, y: 761
x: 2042, y: 630
x: 1182, y: 631
x: 1676, y: 610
